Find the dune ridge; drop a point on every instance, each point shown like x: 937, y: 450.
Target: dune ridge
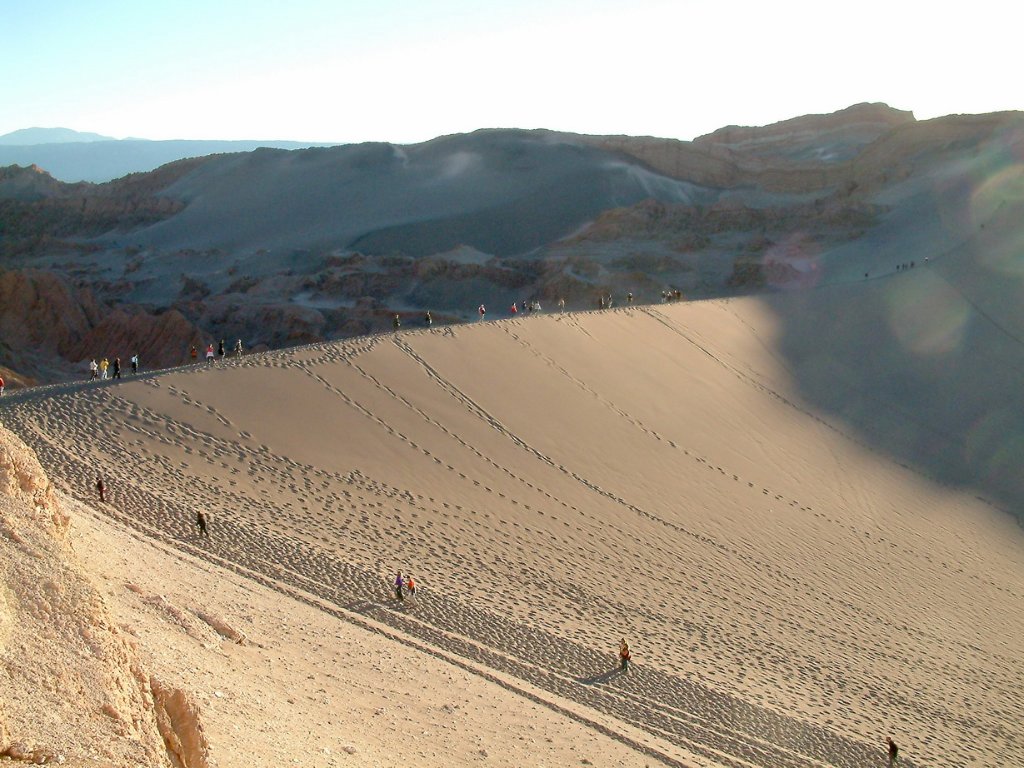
x: 792, y: 595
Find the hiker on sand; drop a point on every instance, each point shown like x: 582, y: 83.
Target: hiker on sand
x: 428, y: 319
x: 135, y: 364
x: 238, y: 348
x: 1, y: 386
x: 193, y: 353
x: 201, y: 524
x: 117, y: 367
x: 94, y: 369
x: 104, y: 364
x: 209, y: 352
x: 101, y: 488
x: 894, y: 751
x: 561, y: 305
x: 624, y: 655
x: 399, y: 587
x: 220, y: 350
x: 481, y: 310
x: 396, y: 321
x: 411, y: 586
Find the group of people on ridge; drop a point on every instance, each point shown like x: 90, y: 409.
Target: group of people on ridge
x: 211, y: 355
x: 105, y: 369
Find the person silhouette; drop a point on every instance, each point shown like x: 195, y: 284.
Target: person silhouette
x: 894, y: 751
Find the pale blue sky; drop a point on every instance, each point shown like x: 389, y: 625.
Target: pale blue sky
x: 406, y: 71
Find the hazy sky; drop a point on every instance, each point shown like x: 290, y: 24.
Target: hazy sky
x: 409, y: 70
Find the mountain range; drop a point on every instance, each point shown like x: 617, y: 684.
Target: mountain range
x: 35, y: 136
x: 279, y: 247
x: 73, y: 156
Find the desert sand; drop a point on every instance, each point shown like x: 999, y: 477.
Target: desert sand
x: 792, y: 594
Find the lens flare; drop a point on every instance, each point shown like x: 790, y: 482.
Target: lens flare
x: 997, y: 206
x: 793, y: 263
x: 995, y: 444
x: 928, y: 318
x: 984, y: 186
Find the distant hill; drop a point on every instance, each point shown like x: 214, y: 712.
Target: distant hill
x: 103, y: 159
x: 28, y: 136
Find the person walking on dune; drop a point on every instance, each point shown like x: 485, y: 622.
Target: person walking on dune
x: 410, y: 586
x: 399, y: 587
x: 428, y: 320
x: 561, y: 305
x: 117, y: 367
x: 624, y: 655
x: 101, y: 488
x: 238, y: 348
x: 396, y: 321
x: 94, y: 369
x: 104, y: 364
x: 201, y: 524
x: 1, y: 386
x: 209, y: 352
x: 220, y: 350
x: 482, y: 311
x: 193, y: 354
x: 135, y: 364
x: 894, y: 751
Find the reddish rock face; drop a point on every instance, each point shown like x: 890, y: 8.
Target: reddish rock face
x: 41, y: 310
x: 160, y: 341
x: 49, y: 327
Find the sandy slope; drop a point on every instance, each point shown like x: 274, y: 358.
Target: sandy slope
x: 555, y: 483
x: 305, y: 687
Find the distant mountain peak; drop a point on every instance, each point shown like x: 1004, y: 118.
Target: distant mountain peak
x: 30, y: 136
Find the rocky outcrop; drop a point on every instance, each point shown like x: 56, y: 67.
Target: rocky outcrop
x: 48, y: 324
x: 31, y: 183
x: 177, y: 717
x: 160, y: 340
x: 43, y: 310
x: 74, y: 688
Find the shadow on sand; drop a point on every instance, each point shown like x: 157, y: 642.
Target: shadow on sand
x: 603, y: 677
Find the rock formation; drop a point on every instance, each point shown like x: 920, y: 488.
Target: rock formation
x: 74, y: 688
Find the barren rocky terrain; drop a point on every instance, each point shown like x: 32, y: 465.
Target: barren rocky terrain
x: 278, y: 247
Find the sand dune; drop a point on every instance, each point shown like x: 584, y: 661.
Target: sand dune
x: 793, y: 594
